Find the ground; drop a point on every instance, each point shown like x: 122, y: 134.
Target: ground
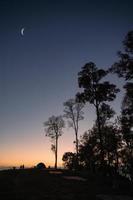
x: 32, y: 184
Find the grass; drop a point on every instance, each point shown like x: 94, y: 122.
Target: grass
x: 32, y: 184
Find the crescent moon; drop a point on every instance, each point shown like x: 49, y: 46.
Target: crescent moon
x: 22, y: 31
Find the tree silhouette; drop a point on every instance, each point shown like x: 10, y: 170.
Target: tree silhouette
x: 53, y: 129
x: 89, y: 150
x: 73, y: 112
x: 124, y: 68
x: 105, y: 114
x: 127, y: 115
x: 69, y: 160
x: 95, y: 92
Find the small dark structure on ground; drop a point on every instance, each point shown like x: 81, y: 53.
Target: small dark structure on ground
x: 41, y: 166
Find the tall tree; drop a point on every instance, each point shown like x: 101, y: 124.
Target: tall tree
x: 53, y: 128
x: 74, y: 113
x: 124, y: 68
x: 95, y: 92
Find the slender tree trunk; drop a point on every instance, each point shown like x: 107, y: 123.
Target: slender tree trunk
x: 56, y: 151
x: 100, y: 135
x: 77, y: 160
x: 76, y: 143
x: 76, y: 137
x: 76, y: 134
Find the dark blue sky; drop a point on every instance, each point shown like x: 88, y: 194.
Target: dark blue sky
x: 38, y: 71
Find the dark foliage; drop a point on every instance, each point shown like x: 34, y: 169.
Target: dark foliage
x: 124, y: 67
x: 70, y: 160
x: 96, y: 92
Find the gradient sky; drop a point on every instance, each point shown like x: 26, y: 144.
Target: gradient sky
x: 38, y: 71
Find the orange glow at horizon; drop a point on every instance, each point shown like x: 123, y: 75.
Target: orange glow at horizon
x: 30, y: 152
x: 29, y: 147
